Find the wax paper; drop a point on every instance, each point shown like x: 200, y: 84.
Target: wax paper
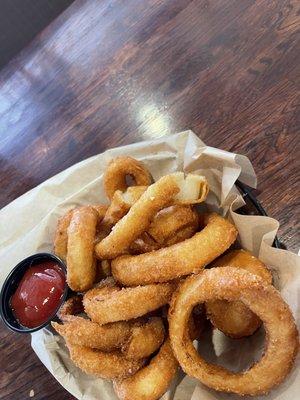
x: 27, y: 226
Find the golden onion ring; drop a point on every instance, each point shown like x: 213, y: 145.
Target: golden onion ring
x: 234, y: 284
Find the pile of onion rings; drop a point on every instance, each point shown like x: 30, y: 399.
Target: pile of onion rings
x: 150, y: 280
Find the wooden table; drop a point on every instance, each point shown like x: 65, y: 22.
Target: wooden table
x: 108, y: 73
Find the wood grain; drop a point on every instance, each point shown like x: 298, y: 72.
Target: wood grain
x: 110, y: 73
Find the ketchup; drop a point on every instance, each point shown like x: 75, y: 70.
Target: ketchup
x: 39, y: 294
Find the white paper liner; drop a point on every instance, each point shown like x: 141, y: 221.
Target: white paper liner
x: 27, y: 226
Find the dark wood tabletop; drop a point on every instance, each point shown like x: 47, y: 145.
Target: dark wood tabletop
x: 109, y: 73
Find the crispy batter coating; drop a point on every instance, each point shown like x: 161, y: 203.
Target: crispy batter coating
x: 170, y: 220
x: 135, y: 338
x: 101, y: 364
x: 61, y: 235
x: 231, y: 284
x: 143, y: 244
x: 121, y: 204
x: 81, y: 264
x: 152, y: 381
x: 101, y: 210
x: 145, y: 338
x: 138, y: 218
x: 110, y: 304
x: 234, y: 318
x: 118, y: 169
x: 72, y: 306
x: 83, y: 332
x: 179, y: 259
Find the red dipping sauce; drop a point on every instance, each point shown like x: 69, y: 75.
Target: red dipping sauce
x: 39, y: 294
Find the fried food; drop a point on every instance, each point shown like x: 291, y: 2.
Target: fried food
x: 145, y: 338
x: 234, y: 318
x: 143, y: 244
x: 101, y: 210
x: 138, y: 218
x: 121, y: 167
x: 81, y: 264
x: 232, y: 284
x: 169, y: 226
x: 171, y: 220
x: 121, y: 203
x: 61, y: 235
x: 179, y: 259
x: 102, y: 364
x: 135, y: 339
x: 71, y: 307
x: 105, y: 266
x: 193, y: 188
x: 83, y: 332
x: 111, y: 303
x: 152, y: 381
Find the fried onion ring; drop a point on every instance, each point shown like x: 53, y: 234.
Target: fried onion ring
x: 83, y: 332
x: 81, y: 264
x: 101, y: 364
x: 171, y: 220
x: 61, y: 233
x: 152, y: 381
x: 233, y: 284
x: 136, y: 338
x: 121, y: 204
x: 145, y: 338
x: 115, y: 175
x: 143, y: 244
x: 137, y: 220
x: 234, y: 318
x: 179, y: 259
x: 109, y: 304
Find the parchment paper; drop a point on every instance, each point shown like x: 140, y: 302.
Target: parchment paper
x: 27, y: 226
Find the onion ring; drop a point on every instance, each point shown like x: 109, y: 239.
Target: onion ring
x: 71, y: 307
x: 115, y: 175
x: 143, y: 244
x: 182, y: 234
x: 83, y: 332
x: 152, y: 381
x: 109, y: 304
x: 121, y: 204
x: 61, y: 233
x: 169, y: 226
x: 101, y: 364
x: 168, y: 221
x: 179, y: 259
x: 234, y: 318
x: 233, y: 284
x: 81, y: 264
x: 145, y: 338
x: 136, y: 339
x: 137, y: 220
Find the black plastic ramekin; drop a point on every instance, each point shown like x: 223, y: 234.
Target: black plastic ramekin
x: 10, y: 286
